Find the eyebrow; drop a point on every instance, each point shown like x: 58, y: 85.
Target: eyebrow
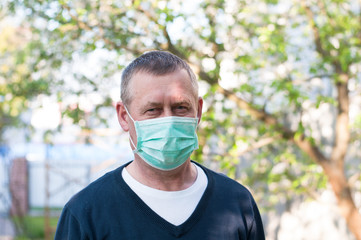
x: 152, y: 105
x: 182, y: 103
x: 158, y: 104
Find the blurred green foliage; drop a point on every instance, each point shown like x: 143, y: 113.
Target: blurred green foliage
x: 33, y: 227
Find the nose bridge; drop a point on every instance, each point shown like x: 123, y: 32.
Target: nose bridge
x: 167, y: 111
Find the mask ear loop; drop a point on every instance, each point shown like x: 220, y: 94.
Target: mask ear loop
x: 131, y: 141
x: 126, y: 109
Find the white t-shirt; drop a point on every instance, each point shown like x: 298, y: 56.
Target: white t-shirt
x: 173, y: 206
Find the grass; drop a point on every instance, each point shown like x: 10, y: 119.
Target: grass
x: 32, y: 227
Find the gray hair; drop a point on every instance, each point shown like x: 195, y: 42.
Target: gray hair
x: 157, y: 63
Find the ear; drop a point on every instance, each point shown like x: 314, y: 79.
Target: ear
x: 199, y: 111
x: 122, y: 116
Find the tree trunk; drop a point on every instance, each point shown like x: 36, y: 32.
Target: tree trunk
x: 341, y: 188
x: 334, y: 170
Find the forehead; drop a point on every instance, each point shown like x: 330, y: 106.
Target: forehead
x: 176, y: 85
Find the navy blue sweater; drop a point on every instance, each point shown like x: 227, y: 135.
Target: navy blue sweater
x: 109, y: 209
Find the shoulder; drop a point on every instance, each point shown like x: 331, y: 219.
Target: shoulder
x: 229, y: 195
x: 95, y: 193
x: 91, y: 206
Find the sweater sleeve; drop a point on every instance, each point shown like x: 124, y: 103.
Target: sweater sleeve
x: 68, y: 227
x: 256, y: 230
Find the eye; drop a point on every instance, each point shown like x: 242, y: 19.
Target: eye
x: 181, y: 109
x: 152, y: 111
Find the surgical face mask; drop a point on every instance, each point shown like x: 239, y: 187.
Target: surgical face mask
x: 165, y: 143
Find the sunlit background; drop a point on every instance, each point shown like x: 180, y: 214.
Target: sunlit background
x: 281, y: 82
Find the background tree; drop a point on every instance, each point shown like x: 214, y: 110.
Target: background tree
x: 17, y: 63
x: 268, y: 67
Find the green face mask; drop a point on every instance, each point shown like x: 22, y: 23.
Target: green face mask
x: 165, y: 143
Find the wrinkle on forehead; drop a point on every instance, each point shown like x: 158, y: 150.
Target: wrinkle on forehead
x: 145, y: 75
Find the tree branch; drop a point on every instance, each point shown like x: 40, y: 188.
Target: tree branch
x: 85, y: 26
x: 342, y: 137
x: 342, y: 132
x: 260, y: 143
x: 303, y: 143
x: 316, y: 34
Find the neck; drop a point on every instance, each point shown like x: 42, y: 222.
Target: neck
x: 175, y: 180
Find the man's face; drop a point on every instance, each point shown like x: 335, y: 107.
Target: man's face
x: 162, y: 96
x: 155, y: 96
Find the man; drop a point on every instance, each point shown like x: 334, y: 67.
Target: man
x: 161, y: 194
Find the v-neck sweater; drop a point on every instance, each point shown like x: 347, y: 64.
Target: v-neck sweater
x: 173, y: 206
x: 109, y: 209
